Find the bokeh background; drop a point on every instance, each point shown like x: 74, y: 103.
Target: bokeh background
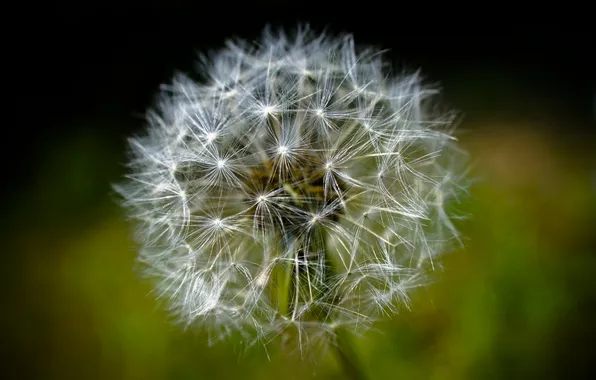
x: 517, y: 302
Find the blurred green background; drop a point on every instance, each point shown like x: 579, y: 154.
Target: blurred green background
x: 517, y: 302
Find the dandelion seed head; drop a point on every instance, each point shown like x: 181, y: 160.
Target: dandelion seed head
x: 299, y: 186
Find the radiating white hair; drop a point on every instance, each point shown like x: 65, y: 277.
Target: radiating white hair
x: 299, y: 185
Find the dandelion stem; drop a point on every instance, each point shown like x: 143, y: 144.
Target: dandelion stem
x: 343, y: 346
x: 285, y: 280
x: 345, y: 354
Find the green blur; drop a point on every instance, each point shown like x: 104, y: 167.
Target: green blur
x: 513, y: 304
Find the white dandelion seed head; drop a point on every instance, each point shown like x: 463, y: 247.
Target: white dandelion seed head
x: 300, y: 186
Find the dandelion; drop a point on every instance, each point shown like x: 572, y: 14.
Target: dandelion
x: 296, y: 188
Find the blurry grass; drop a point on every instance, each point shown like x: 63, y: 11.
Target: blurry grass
x: 510, y: 305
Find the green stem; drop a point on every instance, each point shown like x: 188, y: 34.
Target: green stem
x: 346, y: 355
x: 343, y: 346
x: 285, y: 280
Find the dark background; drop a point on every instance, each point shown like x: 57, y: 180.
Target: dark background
x: 518, y: 302
x: 100, y: 68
